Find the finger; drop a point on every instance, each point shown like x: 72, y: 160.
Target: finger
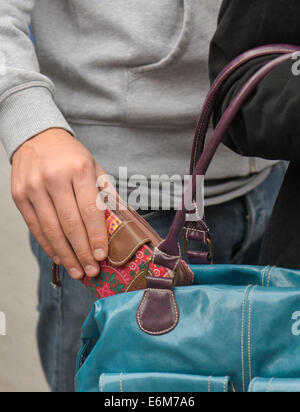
x: 34, y: 226
x: 93, y: 218
x: 53, y: 232
x: 73, y: 227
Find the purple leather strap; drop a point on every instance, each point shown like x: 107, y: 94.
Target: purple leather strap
x: 169, y: 247
x: 158, y: 312
x: 206, y: 114
x: 204, y: 120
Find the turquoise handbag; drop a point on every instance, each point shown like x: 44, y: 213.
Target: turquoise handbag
x: 236, y: 329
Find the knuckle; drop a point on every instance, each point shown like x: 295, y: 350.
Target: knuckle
x: 70, y: 225
x: 50, y: 230
x: 18, y: 194
x: 82, y: 167
x: 34, y: 184
x: 91, y: 211
x: 52, y: 175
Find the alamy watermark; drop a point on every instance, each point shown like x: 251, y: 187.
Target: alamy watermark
x: 2, y: 324
x: 296, y: 324
x: 157, y: 192
x: 296, y: 65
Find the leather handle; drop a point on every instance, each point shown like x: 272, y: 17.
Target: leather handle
x: 206, y: 114
x: 170, y: 246
x: 204, y: 121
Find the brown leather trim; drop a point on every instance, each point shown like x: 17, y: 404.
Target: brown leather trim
x: 125, y: 213
x: 138, y: 283
x: 125, y: 242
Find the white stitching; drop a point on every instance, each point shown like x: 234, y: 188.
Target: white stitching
x: 141, y: 307
x: 270, y: 274
x: 225, y: 382
x: 197, y: 211
x: 170, y: 257
x: 121, y: 382
x: 102, y: 382
x: 263, y: 275
x: 209, y: 384
x: 196, y: 230
x: 179, y: 260
x: 252, y: 384
x: 136, y: 248
x: 268, y: 388
x: 242, y: 336
x: 249, y: 331
x: 119, y: 229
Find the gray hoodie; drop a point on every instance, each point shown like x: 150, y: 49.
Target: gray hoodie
x: 126, y: 77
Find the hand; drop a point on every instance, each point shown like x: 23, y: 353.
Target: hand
x: 54, y: 187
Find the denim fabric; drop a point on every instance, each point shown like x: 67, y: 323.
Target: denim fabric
x: 237, y: 228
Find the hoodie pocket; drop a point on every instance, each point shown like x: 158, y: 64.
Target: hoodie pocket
x: 166, y: 93
x: 138, y: 72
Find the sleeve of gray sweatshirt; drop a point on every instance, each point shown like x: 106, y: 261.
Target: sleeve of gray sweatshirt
x: 27, y: 105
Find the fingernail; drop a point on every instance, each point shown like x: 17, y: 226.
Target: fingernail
x: 75, y: 273
x: 91, y: 270
x: 56, y: 260
x: 99, y: 254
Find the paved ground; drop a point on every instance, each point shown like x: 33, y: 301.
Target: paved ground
x: 20, y: 369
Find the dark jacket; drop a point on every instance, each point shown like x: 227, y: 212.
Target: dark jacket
x: 269, y: 123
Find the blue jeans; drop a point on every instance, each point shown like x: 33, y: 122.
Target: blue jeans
x: 237, y: 229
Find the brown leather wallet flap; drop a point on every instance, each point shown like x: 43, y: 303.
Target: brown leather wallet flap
x: 125, y: 242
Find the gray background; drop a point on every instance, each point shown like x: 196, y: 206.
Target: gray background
x: 20, y: 369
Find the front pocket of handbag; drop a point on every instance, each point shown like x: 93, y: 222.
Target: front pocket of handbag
x: 274, y: 385
x: 162, y: 382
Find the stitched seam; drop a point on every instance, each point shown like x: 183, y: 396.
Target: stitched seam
x: 170, y: 257
x: 176, y: 50
x: 270, y: 274
x: 249, y: 332
x: 157, y: 251
x: 136, y: 277
x: 178, y: 260
x: 196, y: 230
x: 197, y: 210
x: 264, y: 274
x: 268, y: 388
x: 24, y: 87
x: 209, y: 384
x: 102, y: 382
x: 252, y: 384
x: 141, y: 307
x: 242, y: 336
x: 121, y: 382
x: 136, y: 247
x: 225, y: 384
x: 119, y: 229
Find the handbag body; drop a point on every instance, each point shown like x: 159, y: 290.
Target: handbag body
x: 237, y: 328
